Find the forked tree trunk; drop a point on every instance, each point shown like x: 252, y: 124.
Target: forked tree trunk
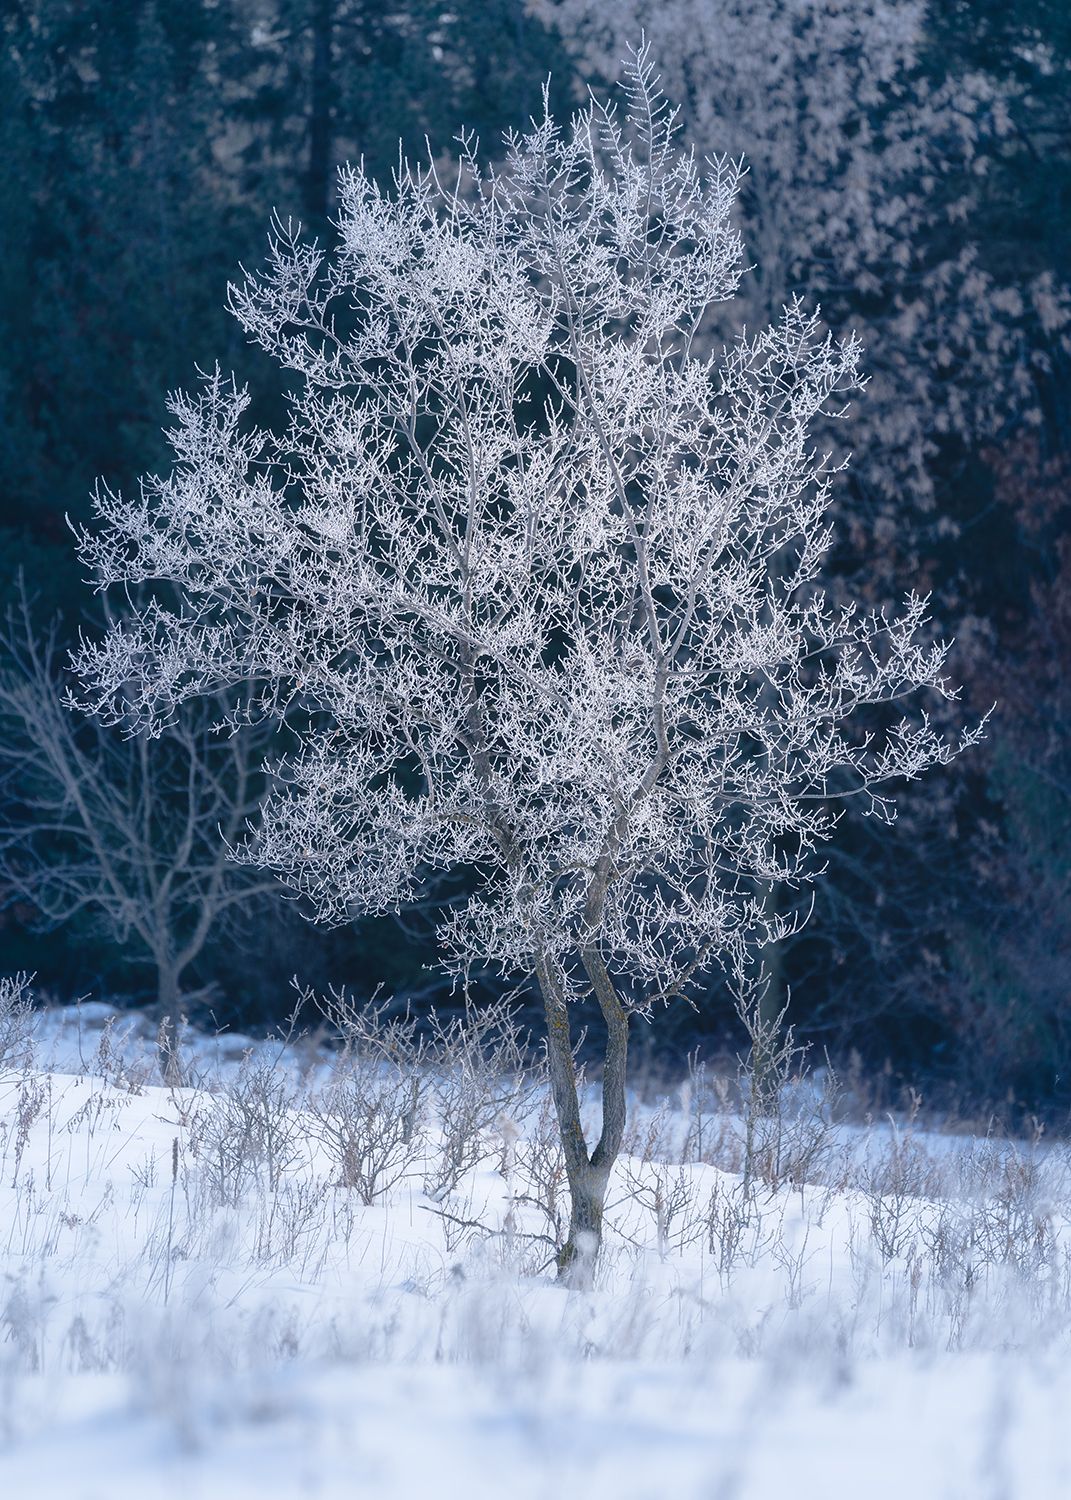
x: 587, y: 1193
x: 588, y: 1173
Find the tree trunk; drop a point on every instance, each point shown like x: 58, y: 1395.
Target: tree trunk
x: 168, y: 1007
x: 318, y: 169
x: 770, y: 960
x: 588, y: 1175
x: 587, y: 1194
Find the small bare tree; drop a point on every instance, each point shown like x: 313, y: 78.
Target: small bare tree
x: 132, y: 832
x: 540, y: 579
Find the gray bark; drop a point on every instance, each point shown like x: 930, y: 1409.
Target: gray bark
x: 588, y: 1173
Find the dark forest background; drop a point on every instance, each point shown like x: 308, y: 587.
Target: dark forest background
x: 143, y: 147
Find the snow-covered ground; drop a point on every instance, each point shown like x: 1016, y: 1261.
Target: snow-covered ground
x: 187, y: 1311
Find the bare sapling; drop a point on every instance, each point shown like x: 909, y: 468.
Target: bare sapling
x: 144, y: 828
x: 534, y: 582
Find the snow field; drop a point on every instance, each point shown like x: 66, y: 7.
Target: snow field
x: 882, y: 1311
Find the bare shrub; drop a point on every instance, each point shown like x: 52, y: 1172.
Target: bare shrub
x: 480, y: 1079
x: 17, y: 1021
x: 293, y: 1218
x: 898, y: 1184
x: 1012, y: 1224
x: 249, y: 1128
x: 731, y: 1214
x: 366, y: 1121
x: 370, y: 1116
x: 787, y: 1110
x: 395, y: 1074
x: 700, y: 1098
x: 649, y: 1139
x: 541, y: 1169
x: 667, y: 1194
x: 949, y: 1241
x: 713, y: 1135
x: 650, y: 1181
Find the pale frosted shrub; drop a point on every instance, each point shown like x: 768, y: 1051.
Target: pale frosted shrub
x: 17, y: 1021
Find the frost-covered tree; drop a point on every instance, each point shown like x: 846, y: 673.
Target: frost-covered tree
x: 534, y: 582
x: 866, y: 167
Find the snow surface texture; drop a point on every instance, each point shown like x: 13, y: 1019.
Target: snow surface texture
x: 191, y: 1305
